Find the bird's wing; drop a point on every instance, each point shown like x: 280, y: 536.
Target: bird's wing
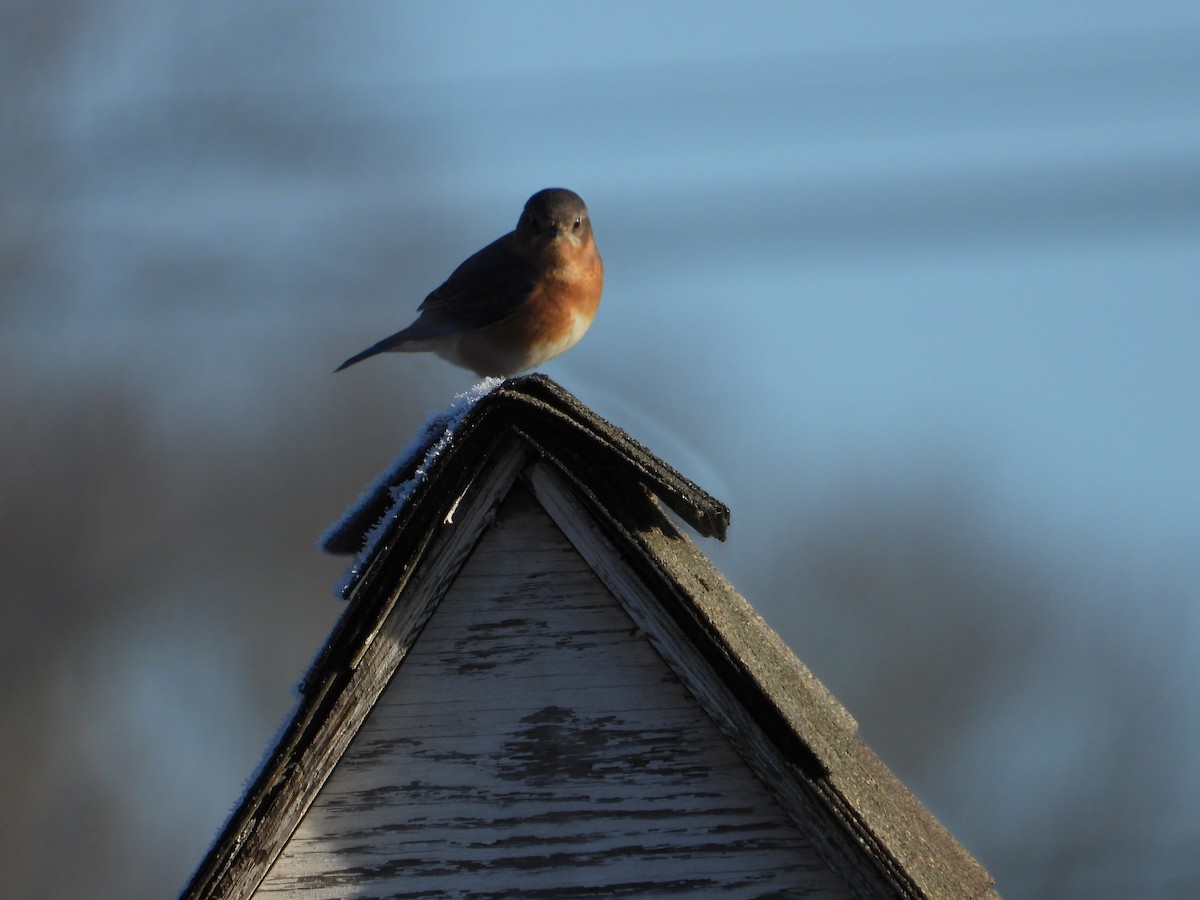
x: 488, y: 287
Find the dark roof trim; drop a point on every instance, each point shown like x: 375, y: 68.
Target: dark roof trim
x: 566, y: 429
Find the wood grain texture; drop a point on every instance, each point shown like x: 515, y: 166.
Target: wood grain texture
x: 726, y: 707
x: 534, y: 743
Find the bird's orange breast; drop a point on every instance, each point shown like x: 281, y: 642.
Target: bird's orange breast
x: 552, y: 318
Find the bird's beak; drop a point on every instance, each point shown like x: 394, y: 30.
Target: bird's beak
x: 553, y: 231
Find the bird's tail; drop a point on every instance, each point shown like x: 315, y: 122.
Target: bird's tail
x: 359, y: 357
x: 398, y: 342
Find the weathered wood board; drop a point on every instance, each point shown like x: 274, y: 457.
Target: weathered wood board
x: 533, y: 743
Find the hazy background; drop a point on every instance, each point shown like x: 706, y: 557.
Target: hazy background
x: 912, y: 288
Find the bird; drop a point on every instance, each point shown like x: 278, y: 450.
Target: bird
x: 523, y: 299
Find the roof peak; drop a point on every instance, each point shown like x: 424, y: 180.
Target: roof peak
x: 548, y: 417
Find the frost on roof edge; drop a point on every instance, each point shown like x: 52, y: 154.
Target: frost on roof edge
x: 366, y: 521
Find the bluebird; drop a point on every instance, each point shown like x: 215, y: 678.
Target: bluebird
x: 521, y: 300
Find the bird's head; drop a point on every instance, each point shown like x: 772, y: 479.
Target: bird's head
x: 554, y: 216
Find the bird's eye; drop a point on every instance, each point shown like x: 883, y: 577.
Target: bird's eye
x: 578, y: 224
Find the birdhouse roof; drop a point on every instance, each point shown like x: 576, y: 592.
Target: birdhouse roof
x: 525, y: 461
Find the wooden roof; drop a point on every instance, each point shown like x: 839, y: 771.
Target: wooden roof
x: 529, y: 449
